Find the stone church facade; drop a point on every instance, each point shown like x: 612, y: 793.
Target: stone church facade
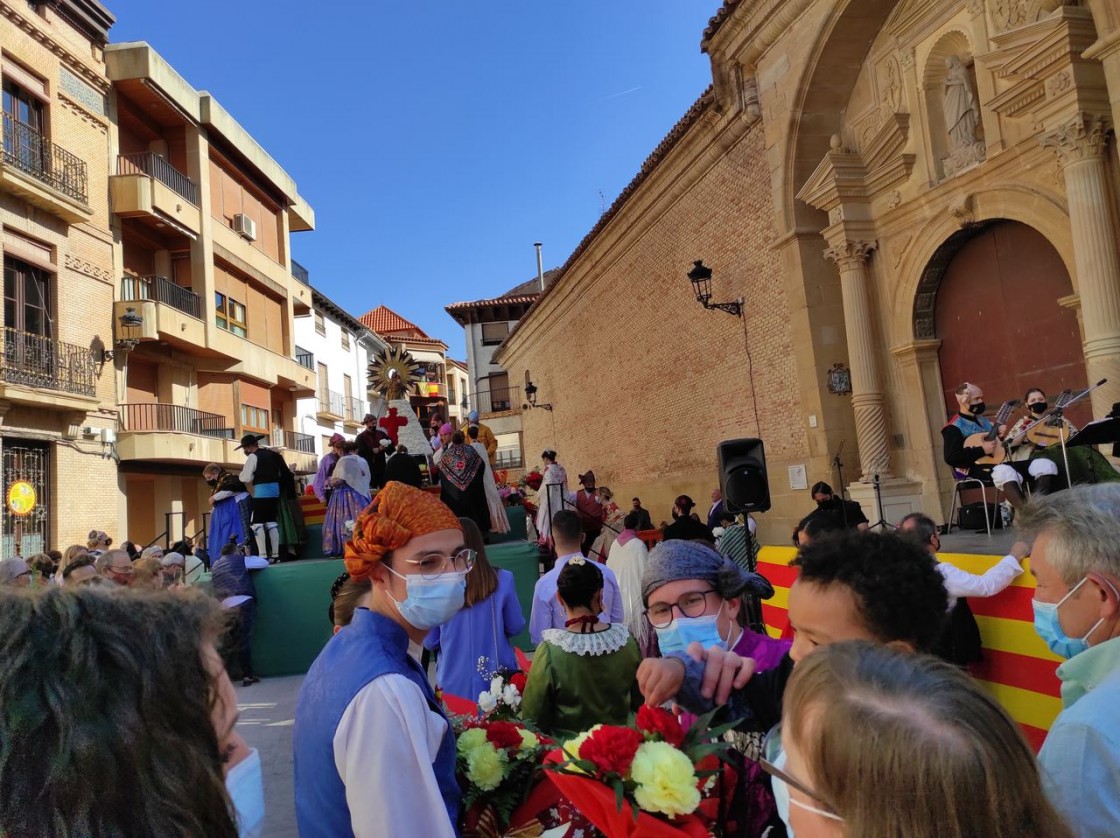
x: 912, y: 192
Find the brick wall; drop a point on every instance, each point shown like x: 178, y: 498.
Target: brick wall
x: 644, y: 382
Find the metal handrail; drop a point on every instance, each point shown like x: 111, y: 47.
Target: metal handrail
x: 153, y: 416
x: 39, y: 361
x: 331, y: 402
x: 305, y: 359
x: 300, y: 273
x: 31, y: 152
x: 355, y: 409
x: 497, y: 400
x: 151, y: 164
x: 293, y: 440
x: 162, y: 290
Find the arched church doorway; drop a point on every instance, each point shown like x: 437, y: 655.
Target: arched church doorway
x: 1001, y: 326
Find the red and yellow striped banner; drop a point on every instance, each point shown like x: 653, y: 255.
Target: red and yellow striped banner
x: 1018, y: 669
x: 314, y: 512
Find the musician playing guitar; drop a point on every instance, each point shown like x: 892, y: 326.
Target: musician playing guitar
x: 984, y: 458
x: 1043, y: 434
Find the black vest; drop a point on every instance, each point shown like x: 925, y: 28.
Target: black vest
x: 270, y: 466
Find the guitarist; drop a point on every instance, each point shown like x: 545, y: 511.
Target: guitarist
x: 1008, y: 478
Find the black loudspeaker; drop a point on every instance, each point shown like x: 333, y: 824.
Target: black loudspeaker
x: 1115, y: 415
x: 742, y: 475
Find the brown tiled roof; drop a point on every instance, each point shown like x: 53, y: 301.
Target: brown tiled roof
x: 392, y: 327
x: 717, y: 20
x: 497, y: 301
x: 460, y: 364
x: 656, y: 156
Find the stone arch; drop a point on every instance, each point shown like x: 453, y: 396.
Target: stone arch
x: 952, y: 43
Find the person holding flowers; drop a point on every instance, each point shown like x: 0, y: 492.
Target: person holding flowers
x: 369, y: 732
x: 582, y: 674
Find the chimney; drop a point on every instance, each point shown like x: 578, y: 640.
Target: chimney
x: 540, y: 265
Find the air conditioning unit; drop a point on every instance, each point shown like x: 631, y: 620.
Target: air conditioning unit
x: 89, y: 432
x: 108, y: 436
x: 245, y: 227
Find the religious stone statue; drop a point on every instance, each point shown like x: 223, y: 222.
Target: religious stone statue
x: 962, y: 114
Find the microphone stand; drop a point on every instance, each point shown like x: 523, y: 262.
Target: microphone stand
x: 882, y: 522
x: 839, y: 466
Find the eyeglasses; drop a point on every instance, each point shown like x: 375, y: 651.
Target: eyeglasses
x: 771, y: 753
x: 433, y: 566
x: 690, y: 604
x: 123, y: 571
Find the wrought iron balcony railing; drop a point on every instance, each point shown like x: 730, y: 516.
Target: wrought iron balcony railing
x: 162, y: 290
x: 172, y: 417
x: 355, y: 409
x: 29, y: 151
x: 497, y: 400
x: 294, y: 440
x: 508, y: 458
x: 305, y: 359
x: 151, y: 164
x: 38, y: 361
x: 332, y: 403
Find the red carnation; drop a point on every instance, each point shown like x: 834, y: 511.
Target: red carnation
x: 662, y: 723
x: 503, y: 735
x: 612, y: 749
x: 519, y: 680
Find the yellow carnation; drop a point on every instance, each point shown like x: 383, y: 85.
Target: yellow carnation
x: 528, y: 738
x: 572, y: 746
x: 666, y: 780
x: 469, y: 740
x: 486, y: 766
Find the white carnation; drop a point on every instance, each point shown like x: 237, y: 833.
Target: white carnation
x: 487, y: 702
x: 496, y: 684
x: 511, y: 696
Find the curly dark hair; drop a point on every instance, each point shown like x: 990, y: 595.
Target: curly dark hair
x: 899, y: 593
x: 577, y: 584
x: 105, y: 715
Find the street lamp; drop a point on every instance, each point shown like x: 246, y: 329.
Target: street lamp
x: 131, y: 323
x: 531, y: 395
x: 701, y: 278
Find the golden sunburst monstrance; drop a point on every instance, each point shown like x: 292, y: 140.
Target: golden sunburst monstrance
x: 393, y: 371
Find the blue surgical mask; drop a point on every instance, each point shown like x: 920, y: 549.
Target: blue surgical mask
x: 683, y: 631
x: 1049, y: 628
x: 432, y: 602
x: 246, y: 789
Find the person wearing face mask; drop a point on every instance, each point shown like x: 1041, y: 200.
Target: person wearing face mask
x: 875, y: 741
x: 369, y: 732
x: 1075, y: 560
x: 1037, y: 404
x: 230, y: 509
x: 583, y: 674
x: 1009, y: 478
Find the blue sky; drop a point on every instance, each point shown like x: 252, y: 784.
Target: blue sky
x: 438, y: 140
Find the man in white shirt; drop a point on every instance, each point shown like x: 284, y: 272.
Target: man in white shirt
x: 547, y: 612
x: 958, y: 582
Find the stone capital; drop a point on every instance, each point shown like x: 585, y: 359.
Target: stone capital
x: 1082, y: 138
x: 850, y: 254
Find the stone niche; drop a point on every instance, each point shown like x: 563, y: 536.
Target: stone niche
x: 954, y: 124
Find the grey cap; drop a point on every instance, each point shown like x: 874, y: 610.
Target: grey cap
x: 12, y: 569
x: 673, y: 560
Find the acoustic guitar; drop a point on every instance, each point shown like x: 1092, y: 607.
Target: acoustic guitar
x: 978, y: 440
x: 1049, y: 431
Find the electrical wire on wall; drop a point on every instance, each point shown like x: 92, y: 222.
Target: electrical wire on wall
x: 750, y: 369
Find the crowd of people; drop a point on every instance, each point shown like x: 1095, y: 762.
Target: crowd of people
x: 861, y: 721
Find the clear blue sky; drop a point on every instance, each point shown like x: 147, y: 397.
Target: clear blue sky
x: 438, y: 139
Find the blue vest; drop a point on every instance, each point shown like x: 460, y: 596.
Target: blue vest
x: 968, y: 427
x: 370, y: 647
x: 230, y: 577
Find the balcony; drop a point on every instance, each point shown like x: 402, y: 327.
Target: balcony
x: 355, y: 411
x: 41, y: 363
x: 497, y: 400
x: 161, y: 290
x: 32, y: 162
x: 173, y: 434
x: 508, y: 458
x: 300, y: 273
x: 147, y: 187
x: 293, y: 440
x: 332, y: 407
x: 305, y: 359
x: 432, y: 390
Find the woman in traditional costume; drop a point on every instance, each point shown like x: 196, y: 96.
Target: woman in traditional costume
x: 584, y: 673
x: 349, y: 495
x: 551, y: 496
x: 499, y: 522
x: 461, y: 480
x: 322, y: 483
x: 230, y: 509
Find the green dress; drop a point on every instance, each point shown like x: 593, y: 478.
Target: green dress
x: 580, y: 680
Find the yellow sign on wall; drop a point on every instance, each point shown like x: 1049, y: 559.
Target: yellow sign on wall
x: 21, y: 498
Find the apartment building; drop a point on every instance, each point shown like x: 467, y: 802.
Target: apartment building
x: 458, y: 391
x: 430, y: 395
x: 339, y: 348
x: 206, y: 302
x: 57, y: 424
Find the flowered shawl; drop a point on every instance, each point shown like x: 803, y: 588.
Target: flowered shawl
x: 459, y: 465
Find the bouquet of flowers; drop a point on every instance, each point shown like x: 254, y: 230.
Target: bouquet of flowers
x: 502, y: 701
x: 496, y: 761
x: 533, y: 480
x: 651, y: 779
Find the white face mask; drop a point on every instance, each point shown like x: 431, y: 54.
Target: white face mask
x: 246, y: 789
x: 783, y: 800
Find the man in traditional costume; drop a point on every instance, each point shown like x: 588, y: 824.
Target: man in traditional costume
x: 374, y: 752
x: 485, y: 436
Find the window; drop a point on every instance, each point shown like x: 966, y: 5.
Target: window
x: 345, y: 341
x: 23, y: 127
x: 499, y: 394
x: 494, y: 333
x: 254, y: 418
x: 230, y: 315
x: 348, y: 395
x: 25, y: 298
x: 320, y: 324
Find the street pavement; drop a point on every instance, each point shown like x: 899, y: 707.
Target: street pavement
x: 267, y: 713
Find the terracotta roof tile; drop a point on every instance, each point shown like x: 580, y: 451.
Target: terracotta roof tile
x: 386, y: 321
x: 656, y: 156
x: 717, y: 20
x: 524, y: 298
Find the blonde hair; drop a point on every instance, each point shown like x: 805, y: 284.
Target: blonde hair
x: 912, y: 728
x: 72, y: 552
x: 147, y: 573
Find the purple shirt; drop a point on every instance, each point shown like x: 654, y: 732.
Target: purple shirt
x: 549, y: 613
x: 326, y: 466
x: 478, y: 631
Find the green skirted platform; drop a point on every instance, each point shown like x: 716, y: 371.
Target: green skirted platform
x: 292, y: 599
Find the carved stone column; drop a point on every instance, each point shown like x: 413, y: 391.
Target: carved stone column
x: 868, y: 402
x: 1081, y: 144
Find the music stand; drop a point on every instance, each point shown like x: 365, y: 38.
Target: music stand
x: 1099, y: 432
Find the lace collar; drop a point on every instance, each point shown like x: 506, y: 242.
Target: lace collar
x: 598, y: 643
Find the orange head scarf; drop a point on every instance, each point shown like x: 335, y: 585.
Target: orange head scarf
x: 397, y: 514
